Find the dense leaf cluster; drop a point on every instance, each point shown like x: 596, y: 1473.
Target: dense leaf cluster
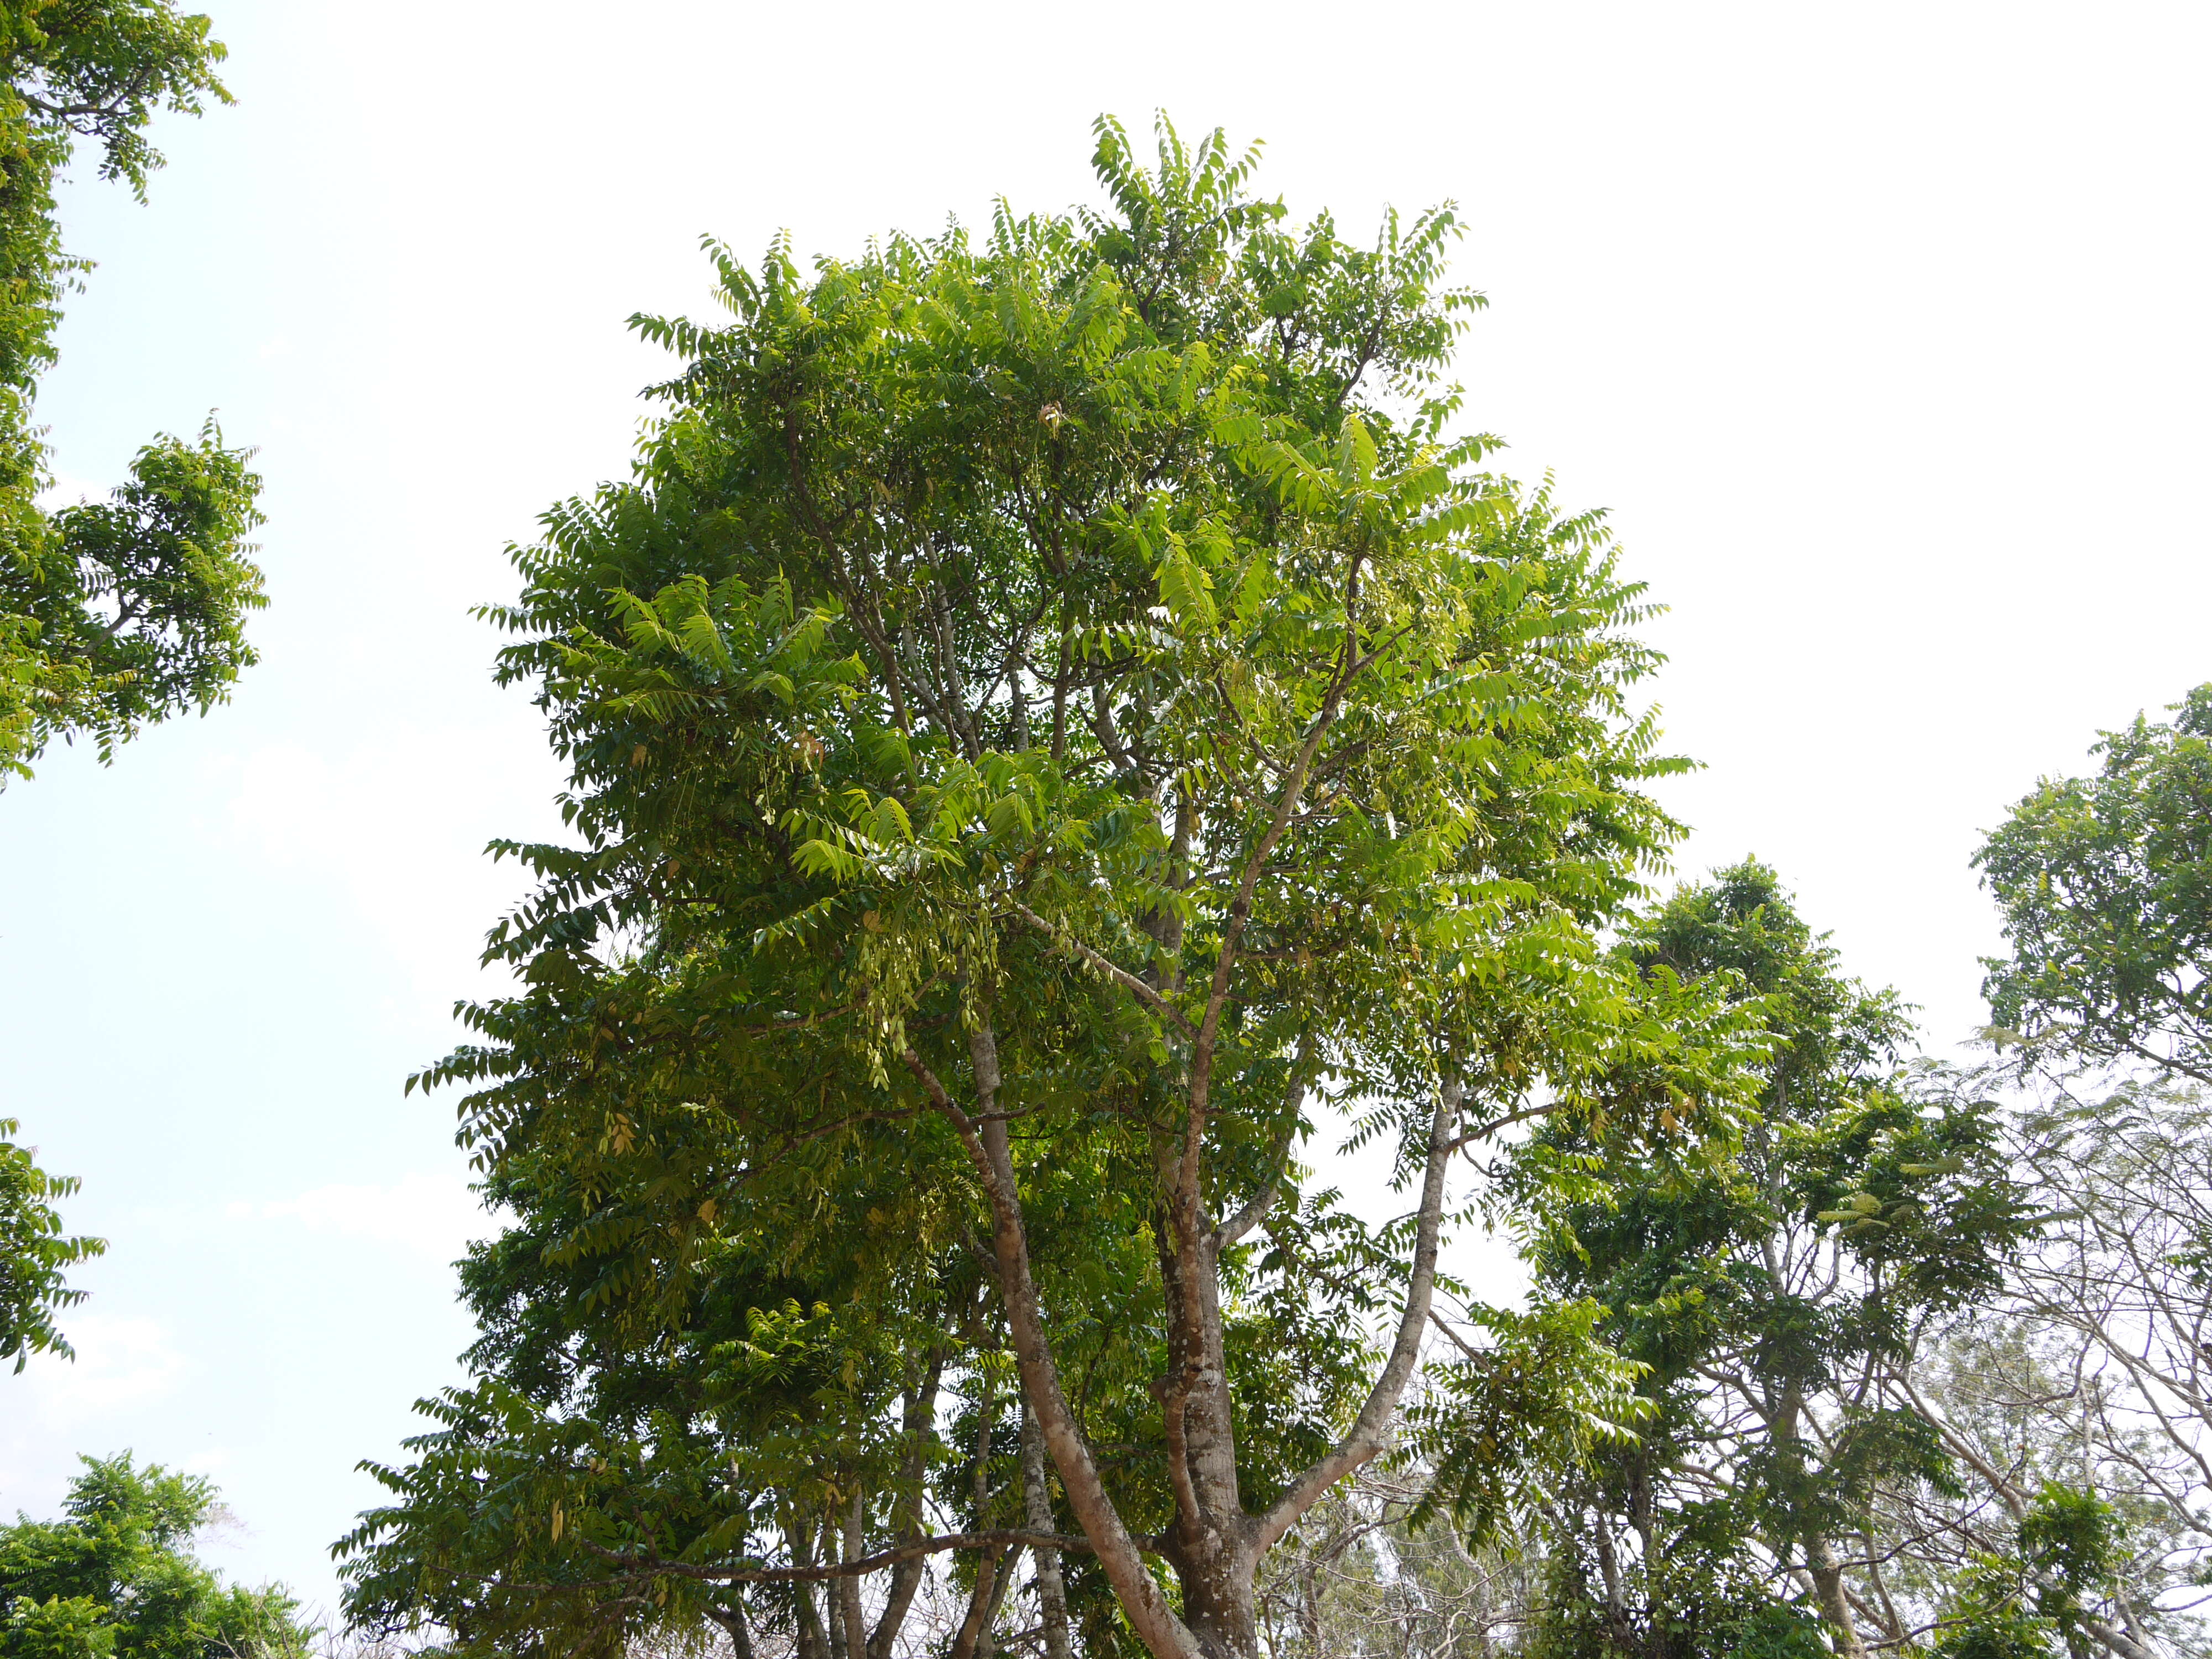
x: 34, y: 1253
x: 114, y: 1578
x: 116, y: 613
x: 2106, y: 886
x: 1048, y: 706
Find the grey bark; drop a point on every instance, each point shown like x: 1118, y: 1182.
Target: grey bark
x: 1037, y: 1499
x: 848, y: 1589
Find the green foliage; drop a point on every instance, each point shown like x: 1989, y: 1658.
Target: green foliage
x: 1065, y: 669
x: 121, y: 612
x: 33, y: 1253
x: 1760, y: 1297
x: 1700, y: 1600
x: 114, y: 1577
x: 2037, y: 1599
x: 2105, y: 885
x: 133, y: 608
x: 1505, y: 1424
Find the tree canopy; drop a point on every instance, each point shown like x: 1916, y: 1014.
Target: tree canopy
x: 1769, y: 1303
x: 119, y: 612
x: 1049, y: 708
x: 114, y: 1578
x: 2106, y: 887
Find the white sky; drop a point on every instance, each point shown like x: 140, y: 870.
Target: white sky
x: 1880, y: 328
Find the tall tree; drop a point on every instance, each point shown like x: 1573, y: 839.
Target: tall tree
x: 112, y: 613
x: 1047, y: 707
x: 2100, y: 1016
x: 118, y: 612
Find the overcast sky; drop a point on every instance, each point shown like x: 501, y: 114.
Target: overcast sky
x: 1880, y: 329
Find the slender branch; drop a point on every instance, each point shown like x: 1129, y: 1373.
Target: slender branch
x: 1255, y: 1211
x: 1121, y: 977
x: 1371, y: 1430
x: 645, y: 1567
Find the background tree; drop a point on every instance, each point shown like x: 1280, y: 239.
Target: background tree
x: 2104, y: 883
x: 119, y: 612
x: 1046, y: 708
x: 114, y: 1577
x: 2092, y: 1371
x: 2041, y: 1590
x: 2033, y: 1429
x: 1767, y: 1299
x: 1366, y: 1575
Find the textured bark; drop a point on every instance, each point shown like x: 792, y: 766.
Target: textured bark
x: 1149, y: 1615
x: 1835, y: 1606
x: 980, y: 1602
x: 986, y: 1639
x: 1210, y: 1545
x: 1036, y: 1500
x: 1608, y: 1566
x: 732, y: 1621
x: 848, y: 1589
x: 812, y: 1642
x: 906, y: 1577
x: 833, y: 1621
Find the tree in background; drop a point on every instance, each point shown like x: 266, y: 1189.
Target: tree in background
x: 112, y: 613
x: 114, y: 1578
x: 2106, y: 887
x: 2038, y: 1593
x: 1767, y: 1302
x: 115, y: 613
x: 1048, y: 706
x: 1366, y: 1575
x: 2075, y: 1404
x: 2096, y: 1368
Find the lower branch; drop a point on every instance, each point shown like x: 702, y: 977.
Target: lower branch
x: 1371, y: 1430
x: 643, y: 1567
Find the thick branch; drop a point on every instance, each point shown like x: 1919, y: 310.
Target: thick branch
x: 1371, y: 1432
x: 1105, y: 1535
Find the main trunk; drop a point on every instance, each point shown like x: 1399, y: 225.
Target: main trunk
x: 1828, y: 1573
x: 1215, y: 1545
x: 1219, y: 1604
x: 1828, y: 1586
x: 1210, y: 1544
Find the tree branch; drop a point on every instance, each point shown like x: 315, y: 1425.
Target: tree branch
x: 1371, y: 1432
x: 1107, y: 1537
x: 646, y: 1567
x: 1121, y: 977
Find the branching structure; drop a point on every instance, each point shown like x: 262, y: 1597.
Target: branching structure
x: 114, y: 613
x: 1046, y: 707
